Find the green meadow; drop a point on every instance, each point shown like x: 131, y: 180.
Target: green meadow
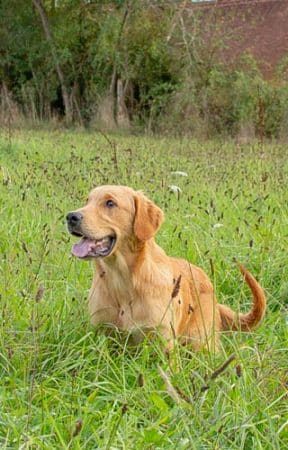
x: 63, y: 384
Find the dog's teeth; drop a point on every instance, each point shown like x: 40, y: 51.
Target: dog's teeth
x: 102, y: 243
x: 105, y: 240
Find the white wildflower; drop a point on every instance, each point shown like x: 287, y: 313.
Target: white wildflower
x: 184, y: 441
x: 180, y: 173
x: 218, y: 225
x: 174, y: 188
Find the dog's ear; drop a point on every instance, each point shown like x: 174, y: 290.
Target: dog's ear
x: 148, y: 217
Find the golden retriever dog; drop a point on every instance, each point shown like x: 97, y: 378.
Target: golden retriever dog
x: 137, y: 287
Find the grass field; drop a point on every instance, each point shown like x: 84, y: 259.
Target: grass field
x: 65, y: 386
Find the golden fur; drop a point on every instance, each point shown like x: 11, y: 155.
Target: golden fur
x: 139, y: 287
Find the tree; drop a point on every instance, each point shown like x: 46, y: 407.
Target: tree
x: 48, y: 34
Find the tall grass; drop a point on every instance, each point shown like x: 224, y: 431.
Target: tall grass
x: 66, y: 386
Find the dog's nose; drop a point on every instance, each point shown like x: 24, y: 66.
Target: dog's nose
x: 74, y: 218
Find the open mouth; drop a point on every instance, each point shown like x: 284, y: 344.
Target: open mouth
x: 93, y: 248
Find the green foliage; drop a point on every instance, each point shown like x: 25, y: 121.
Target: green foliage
x: 228, y: 100
x: 64, y: 385
x: 169, y: 61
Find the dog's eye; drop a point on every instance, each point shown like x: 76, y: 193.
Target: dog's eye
x: 110, y: 204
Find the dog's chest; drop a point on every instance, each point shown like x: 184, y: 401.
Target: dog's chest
x: 129, y: 302
x: 128, y: 306
x: 130, y: 310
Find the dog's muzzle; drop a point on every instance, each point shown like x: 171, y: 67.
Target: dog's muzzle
x: 74, y: 220
x: 88, y: 246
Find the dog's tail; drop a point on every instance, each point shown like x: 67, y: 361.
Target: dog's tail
x: 245, y: 322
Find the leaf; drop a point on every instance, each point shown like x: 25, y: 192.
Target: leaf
x: 152, y: 436
x: 159, y: 402
x: 92, y: 396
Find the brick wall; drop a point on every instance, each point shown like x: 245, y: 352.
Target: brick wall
x: 259, y: 27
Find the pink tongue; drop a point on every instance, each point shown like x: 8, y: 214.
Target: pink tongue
x: 83, y: 247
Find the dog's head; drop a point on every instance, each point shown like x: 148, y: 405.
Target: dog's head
x: 113, y: 217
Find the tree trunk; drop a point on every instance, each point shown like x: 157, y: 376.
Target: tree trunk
x: 122, y: 113
x: 46, y: 28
